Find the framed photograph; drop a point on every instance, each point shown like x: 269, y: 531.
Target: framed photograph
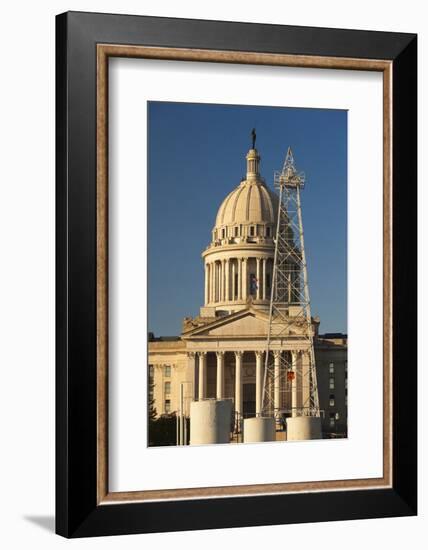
x: 236, y: 274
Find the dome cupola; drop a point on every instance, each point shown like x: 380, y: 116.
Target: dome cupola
x: 239, y: 259
x: 249, y: 211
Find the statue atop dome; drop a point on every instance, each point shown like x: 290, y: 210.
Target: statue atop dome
x: 253, y: 137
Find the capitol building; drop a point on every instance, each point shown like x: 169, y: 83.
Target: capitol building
x: 220, y: 352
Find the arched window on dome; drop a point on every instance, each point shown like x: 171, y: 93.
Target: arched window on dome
x: 236, y: 231
x: 223, y: 233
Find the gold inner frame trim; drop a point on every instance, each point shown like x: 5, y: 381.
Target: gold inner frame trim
x: 104, y: 51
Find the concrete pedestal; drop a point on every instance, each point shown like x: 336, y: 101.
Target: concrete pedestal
x: 210, y: 421
x: 303, y: 427
x: 259, y: 429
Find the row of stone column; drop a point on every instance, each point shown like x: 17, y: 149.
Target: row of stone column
x: 220, y: 393
x: 220, y: 280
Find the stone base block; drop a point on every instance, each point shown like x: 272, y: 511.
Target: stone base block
x: 210, y: 421
x: 259, y: 429
x: 303, y: 427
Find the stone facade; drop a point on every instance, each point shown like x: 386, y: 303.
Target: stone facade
x: 171, y: 363
x: 332, y: 376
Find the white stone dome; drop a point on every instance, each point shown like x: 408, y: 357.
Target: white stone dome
x: 239, y: 259
x: 250, y: 202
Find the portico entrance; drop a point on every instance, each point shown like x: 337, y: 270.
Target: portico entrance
x: 249, y: 400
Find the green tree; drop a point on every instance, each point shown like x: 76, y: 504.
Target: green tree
x: 152, y: 409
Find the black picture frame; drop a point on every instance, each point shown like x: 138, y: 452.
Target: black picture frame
x: 77, y: 512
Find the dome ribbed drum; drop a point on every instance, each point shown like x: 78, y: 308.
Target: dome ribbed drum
x: 239, y: 259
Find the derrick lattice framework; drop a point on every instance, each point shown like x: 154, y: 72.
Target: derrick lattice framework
x: 290, y: 383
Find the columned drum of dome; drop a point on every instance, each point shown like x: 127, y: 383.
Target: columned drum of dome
x: 239, y: 259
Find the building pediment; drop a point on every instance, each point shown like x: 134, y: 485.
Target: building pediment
x: 245, y: 323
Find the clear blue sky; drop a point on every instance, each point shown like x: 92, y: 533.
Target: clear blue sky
x: 197, y: 156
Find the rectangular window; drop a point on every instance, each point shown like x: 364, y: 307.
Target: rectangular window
x: 251, y: 231
x: 167, y: 370
x: 332, y: 422
x: 223, y: 233
x: 267, y: 231
x: 268, y: 281
x: 331, y: 368
x: 331, y: 400
x: 236, y: 231
x: 167, y: 406
x: 253, y: 284
x: 167, y: 388
x: 331, y: 384
x: 236, y: 286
